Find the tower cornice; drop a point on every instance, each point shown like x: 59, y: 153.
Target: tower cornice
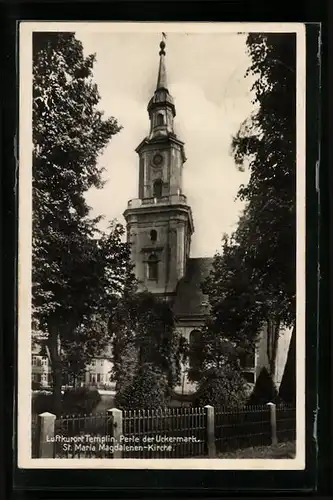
x: 169, y: 139
x: 176, y: 209
x: 161, y: 97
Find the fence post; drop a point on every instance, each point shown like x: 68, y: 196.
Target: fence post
x: 117, y: 429
x: 272, y: 415
x: 210, y: 412
x: 45, y: 429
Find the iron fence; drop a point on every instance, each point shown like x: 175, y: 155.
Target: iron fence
x: 165, y: 433
x: 86, y: 436
x: 238, y: 428
x: 286, y: 423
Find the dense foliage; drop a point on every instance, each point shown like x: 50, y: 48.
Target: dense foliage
x: 253, y: 283
x: 214, y: 367
x: 264, y: 391
x: 222, y: 387
x: 148, y: 389
x: 80, y: 401
x: 267, y: 143
x: 41, y: 402
x: 144, y: 339
x: 35, y: 386
x: 77, y: 270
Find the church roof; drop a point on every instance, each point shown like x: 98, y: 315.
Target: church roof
x: 190, y: 300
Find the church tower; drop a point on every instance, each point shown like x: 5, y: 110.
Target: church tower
x: 159, y: 221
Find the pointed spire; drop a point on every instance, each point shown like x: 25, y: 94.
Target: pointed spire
x: 162, y: 76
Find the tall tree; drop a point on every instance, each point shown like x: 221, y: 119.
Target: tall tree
x: 214, y: 366
x: 76, y: 268
x: 267, y: 143
x: 145, y: 343
x: 253, y: 283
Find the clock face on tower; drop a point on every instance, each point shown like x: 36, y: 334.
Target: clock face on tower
x: 158, y: 159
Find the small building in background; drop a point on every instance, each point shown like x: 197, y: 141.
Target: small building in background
x: 41, y: 375
x: 97, y: 373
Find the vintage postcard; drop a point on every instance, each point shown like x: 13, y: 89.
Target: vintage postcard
x: 161, y: 315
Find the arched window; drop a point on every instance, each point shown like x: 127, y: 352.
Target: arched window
x: 194, y: 343
x: 152, y: 267
x: 158, y: 184
x: 160, y: 119
x: 153, y: 235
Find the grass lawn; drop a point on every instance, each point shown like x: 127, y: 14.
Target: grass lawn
x: 280, y: 450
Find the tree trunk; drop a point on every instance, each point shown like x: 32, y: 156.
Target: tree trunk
x: 54, y: 347
x: 275, y: 343
x: 273, y: 332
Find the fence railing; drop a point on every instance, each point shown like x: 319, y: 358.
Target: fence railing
x: 161, y: 433
x: 286, y: 423
x: 83, y: 436
x: 166, y: 433
x: 243, y: 428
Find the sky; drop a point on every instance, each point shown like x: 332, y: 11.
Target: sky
x: 206, y: 79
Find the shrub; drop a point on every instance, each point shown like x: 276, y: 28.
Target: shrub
x: 80, y: 401
x: 41, y: 402
x: 149, y: 389
x: 221, y: 387
x: 264, y: 390
x: 35, y: 386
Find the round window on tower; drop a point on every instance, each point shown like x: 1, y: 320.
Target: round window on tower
x: 158, y: 159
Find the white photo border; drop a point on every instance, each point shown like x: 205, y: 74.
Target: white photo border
x: 25, y: 248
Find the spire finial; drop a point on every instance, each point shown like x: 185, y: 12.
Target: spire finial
x: 162, y: 79
x: 162, y: 44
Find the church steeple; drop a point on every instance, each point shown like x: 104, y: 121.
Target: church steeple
x: 159, y: 221
x: 161, y: 107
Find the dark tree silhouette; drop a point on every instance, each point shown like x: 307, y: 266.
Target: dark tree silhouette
x: 76, y: 268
